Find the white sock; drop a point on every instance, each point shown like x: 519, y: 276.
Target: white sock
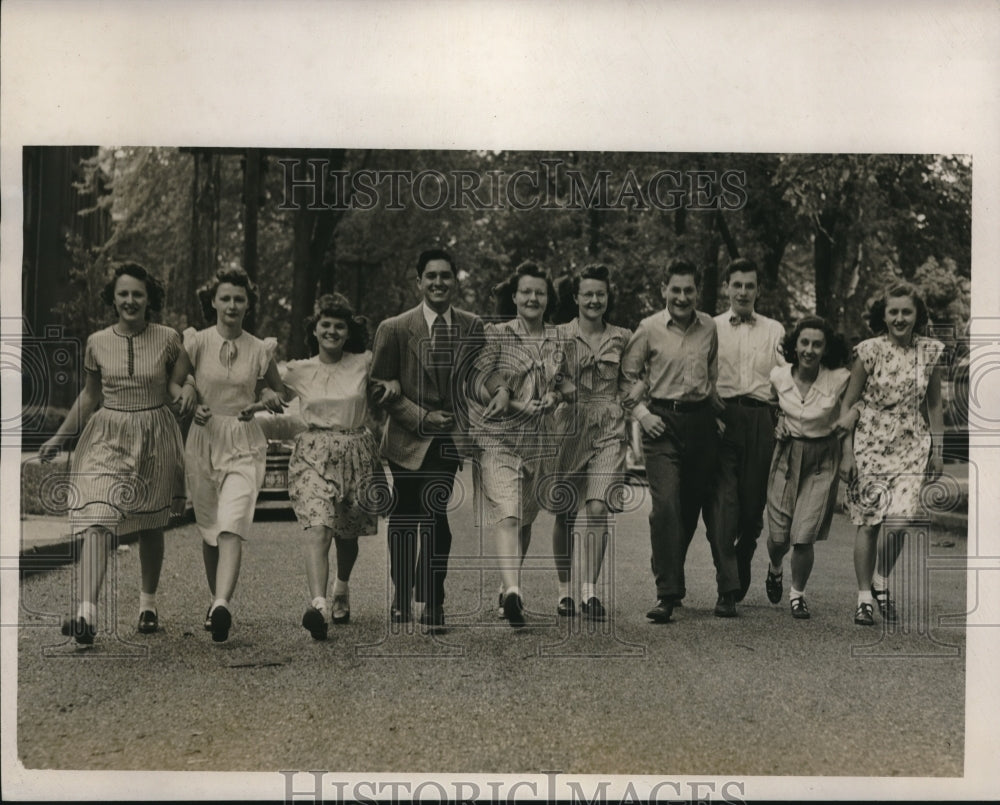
x: 87, y: 611
x: 513, y: 590
x: 880, y: 583
x: 588, y: 590
x: 865, y: 597
x: 564, y: 590
x: 319, y: 602
x: 147, y: 601
x: 218, y: 602
x: 339, y: 588
x: 793, y: 594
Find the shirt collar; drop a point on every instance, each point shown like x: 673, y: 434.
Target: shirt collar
x: 431, y: 315
x: 696, y: 321
x: 736, y: 320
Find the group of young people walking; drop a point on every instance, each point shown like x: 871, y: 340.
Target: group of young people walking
x: 736, y: 417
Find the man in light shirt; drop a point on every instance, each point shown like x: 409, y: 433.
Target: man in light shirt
x: 671, y: 360
x: 749, y: 347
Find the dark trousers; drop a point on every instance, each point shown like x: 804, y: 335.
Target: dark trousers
x: 735, y: 514
x: 679, y: 467
x: 419, y: 534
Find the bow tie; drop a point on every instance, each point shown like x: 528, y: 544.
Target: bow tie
x: 736, y: 321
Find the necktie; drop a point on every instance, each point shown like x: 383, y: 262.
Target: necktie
x: 736, y: 321
x: 441, y: 360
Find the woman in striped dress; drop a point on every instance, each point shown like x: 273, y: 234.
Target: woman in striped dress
x: 127, y: 472
x: 520, y: 377
x: 226, y: 448
x: 590, y: 465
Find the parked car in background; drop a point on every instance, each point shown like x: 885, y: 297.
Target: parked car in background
x: 280, y: 430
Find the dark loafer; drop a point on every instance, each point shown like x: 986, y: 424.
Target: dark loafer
x: 148, y: 622
x: 593, y: 609
x: 566, y: 607
x: 513, y: 608
x: 772, y: 584
x: 79, y: 630
x: 662, y: 611
x: 221, y: 622
x: 725, y: 606
x: 399, y: 615
x: 314, y: 621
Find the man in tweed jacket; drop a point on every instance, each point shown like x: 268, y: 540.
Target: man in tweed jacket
x: 428, y: 350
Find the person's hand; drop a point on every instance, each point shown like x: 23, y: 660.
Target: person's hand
x: 781, y: 430
x: 50, y: 449
x: 186, y: 400
x: 720, y: 426
x: 387, y: 391
x: 848, y: 467
x: 202, y: 414
x: 652, y: 425
x: 250, y: 411
x: 271, y: 401
x: 498, y: 405
x: 439, y: 421
x: 549, y: 401
x: 847, y: 422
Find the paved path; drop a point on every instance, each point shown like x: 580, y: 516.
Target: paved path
x: 761, y: 694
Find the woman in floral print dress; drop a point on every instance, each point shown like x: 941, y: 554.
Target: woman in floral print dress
x: 896, y: 377
x: 334, y: 474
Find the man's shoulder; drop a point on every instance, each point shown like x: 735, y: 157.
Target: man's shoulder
x: 771, y: 324
x: 401, y: 318
x: 705, y: 318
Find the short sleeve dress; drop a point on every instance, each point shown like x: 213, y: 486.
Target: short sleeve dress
x: 892, y: 440
x: 592, y: 437
x: 335, y: 478
x: 225, y: 458
x: 803, y: 480
x: 128, y: 471
x: 516, y: 453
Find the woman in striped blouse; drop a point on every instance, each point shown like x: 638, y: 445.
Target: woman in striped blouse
x: 127, y: 472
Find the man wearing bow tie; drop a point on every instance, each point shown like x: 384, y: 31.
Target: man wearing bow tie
x: 428, y: 349
x: 749, y: 347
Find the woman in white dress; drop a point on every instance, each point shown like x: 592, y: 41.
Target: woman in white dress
x: 226, y: 448
x: 335, y: 477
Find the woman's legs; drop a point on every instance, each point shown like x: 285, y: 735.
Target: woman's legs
x: 562, y: 550
x: 347, y: 555
x: 802, y: 565
x: 210, y: 554
x: 595, y: 542
x: 151, y: 559
x: 318, y: 540
x: 228, y: 571
x: 864, y: 558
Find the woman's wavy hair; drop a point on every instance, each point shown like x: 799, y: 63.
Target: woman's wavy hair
x: 154, y: 288
x: 568, y: 309
x: 503, y: 292
x: 876, y: 314
x: 336, y: 306
x: 836, y: 352
x: 233, y: 276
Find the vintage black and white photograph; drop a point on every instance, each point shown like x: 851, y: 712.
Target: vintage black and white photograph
x: 628, y: 470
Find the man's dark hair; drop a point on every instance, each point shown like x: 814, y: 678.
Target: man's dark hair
x: 434, y: 254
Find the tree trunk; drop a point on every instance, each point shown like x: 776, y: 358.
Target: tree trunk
x: 251, y: 207
x: 710, y: 269
x: 204, y: 230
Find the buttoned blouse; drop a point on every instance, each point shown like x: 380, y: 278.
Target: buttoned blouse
x: 331, y: 395
x: 134, y: 369
x: 748, y: 351
x: 812, y: 416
